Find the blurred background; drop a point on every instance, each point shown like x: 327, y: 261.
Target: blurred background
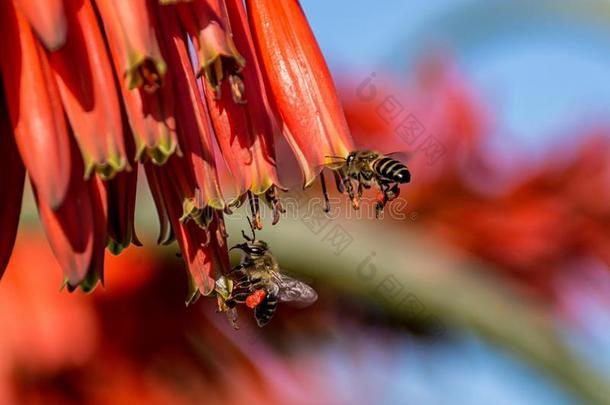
x: 488, y: 281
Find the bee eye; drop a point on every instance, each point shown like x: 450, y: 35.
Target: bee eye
x: 255, y: 250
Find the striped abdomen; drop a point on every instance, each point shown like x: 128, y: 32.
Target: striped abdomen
x: 391, y: 169
x: 266, y: 309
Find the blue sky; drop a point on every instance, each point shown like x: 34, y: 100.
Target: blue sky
x: 542, y: 68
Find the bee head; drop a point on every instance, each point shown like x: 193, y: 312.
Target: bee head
x: 254, y: 247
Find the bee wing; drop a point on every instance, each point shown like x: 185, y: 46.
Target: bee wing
x: 400, y: 155
x: 333, y: 165
x: 292, y: 290
x: 231, y: 314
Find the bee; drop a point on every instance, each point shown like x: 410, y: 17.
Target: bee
x: 259, y: 283
x: 368, y: 168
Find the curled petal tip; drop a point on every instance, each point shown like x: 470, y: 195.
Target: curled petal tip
x: 158, y: 154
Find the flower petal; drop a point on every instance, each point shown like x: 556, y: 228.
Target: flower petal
x: 35, y: 108
x: 47, y: 19
x: 258, y: 111
x: 99, y: 207
x: 166, y: 233
x: 205, y: 251
x: 194, y: 130
x: 302, y: 88
x: 232, y: 134
x: 206, y: 22
x: 86, y: 84
x: 70, y: 228
x: 152, y: 122
x: 121, y: 200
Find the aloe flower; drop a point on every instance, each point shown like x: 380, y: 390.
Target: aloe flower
x: 86, y: 84
x: 300, y: 83
x: 93, y: 91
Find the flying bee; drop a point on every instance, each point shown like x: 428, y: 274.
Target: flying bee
x: 259, y: 283
x: 366, y: 168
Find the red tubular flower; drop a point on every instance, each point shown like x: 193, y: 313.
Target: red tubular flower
x: 100, y: 211
x: 47, y: 19
x: 151, y: 117
x: 11, y: 186
x: 137, y: 57
x: 166, y: 233
x: 132, y: 37
x: 35, y: 108
x: 206, y: 257
x: 71, y: 227
x: 205, y: 251
x: 206, y: 22
x: 248, y: 158
x: 302, y: 88
x: 121, y: 200
x: 86, y: 84
x: 261, y: 124
x: 232, y: 134
x: 194, y: 131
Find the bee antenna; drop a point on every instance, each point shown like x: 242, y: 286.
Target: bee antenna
x: 251, y: 228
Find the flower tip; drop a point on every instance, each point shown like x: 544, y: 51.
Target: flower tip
x: 88, y: 287
x: 193, y: 293
x: 219, y: 55
x: 115, y: 247
x: 106, y: 170
x: 147, y: 73
x: 310, y: 178
x: 217, y: 204
x: 166, y: 238
x: 160, y: 153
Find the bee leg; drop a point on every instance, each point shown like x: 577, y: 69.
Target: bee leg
x: 232, y: 317
x: 208, y: 237
x: 382, y: 199
x: 276, y: 205
x: 256, y: 211
x: 379, y: 209
x: 393, y: 192
x: 338, y: 182
x: 222, y: 229
x: 235, y: 204
x: 349, y: 187
x: 360, y: 190
x: 324, y: 192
